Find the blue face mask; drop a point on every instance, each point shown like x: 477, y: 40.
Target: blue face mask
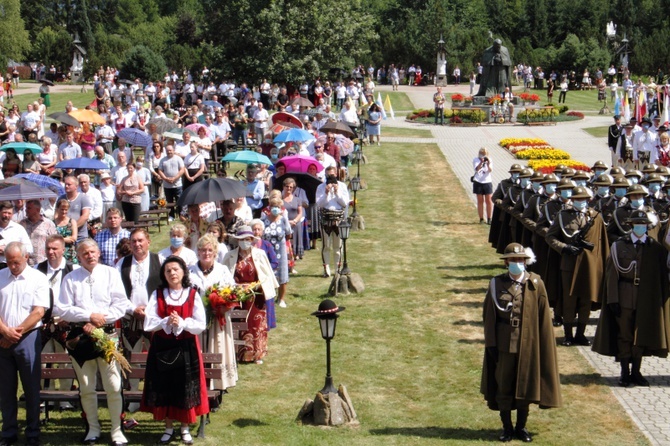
x: 645, y: 126
x: 620, y: 192
x: 558, y: 175
x: 599, y: 172
x: 524, y: 183
x: 550, y: 188
x: 633, y: 180
x: 603, y: 191
x: 516, y: 268
x: 637, y: 202
x: 639, y: 230
x: 515, y: 176
x: 566, y: 193
x: 176, y: 242
x: 580, y: 205
x: 275, y: 211
x: 536, y: 186
x: 581, y: 183
x: 654, y: 187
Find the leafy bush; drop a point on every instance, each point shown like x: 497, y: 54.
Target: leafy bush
x: 141, y: 62
x: 539, y: 115
x: 563, y: 108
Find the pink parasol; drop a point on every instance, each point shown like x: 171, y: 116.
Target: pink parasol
x: 300, y: 163
x: 196, y: 127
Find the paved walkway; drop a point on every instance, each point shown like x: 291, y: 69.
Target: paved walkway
x: 648, y: 407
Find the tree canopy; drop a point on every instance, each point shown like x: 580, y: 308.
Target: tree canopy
x: 292, y: 40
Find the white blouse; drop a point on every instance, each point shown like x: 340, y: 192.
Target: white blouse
x: 195, y: 324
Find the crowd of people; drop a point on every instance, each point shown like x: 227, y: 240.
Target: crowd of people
x: 103, y: 276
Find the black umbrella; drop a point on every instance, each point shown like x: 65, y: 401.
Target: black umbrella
x: 65, y: 118
x: 213, y: 189
x: 305, y: 181
x: 125, y: 82
x: 46, y: 81
x: 337, y: 127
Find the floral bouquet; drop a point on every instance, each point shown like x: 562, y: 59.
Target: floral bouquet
x: 457, y: 97
x: 220, y: 299
x: 107, y: 347
x: 161, y: 202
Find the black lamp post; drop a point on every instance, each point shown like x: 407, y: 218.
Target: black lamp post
x: 357, y: 157
x: 327, y: 315
x: 355, y: 187
x: 343, y: 228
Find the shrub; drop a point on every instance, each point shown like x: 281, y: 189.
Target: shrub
x: 142, y: 62
x: 563, y: 108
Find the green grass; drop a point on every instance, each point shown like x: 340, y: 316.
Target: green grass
x: 584, y: 101
x: 409, y: 349
x: 406, y: 132
x: 58, y: 100
x: 399, y: 101
x: 598, y: 132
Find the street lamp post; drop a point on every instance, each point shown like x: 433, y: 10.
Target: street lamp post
x: 327, y: 315
x: 343, y: 228
x: 355, y: 187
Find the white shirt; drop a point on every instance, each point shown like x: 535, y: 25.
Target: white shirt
x: 482, y: 175
x: 19, y: 294
x: 182, y: 149
x: 14, y: 232
x: 331, y: 200
x: 95, y: 197
x: 195, y: 324
x: 118, y: 173
x: 139, y: 273
x: 261, y: 117
x: 83, y: 293
x: 55, y: 283
x: 186, y: 255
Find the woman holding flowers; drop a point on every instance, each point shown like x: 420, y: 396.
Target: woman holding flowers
x: 175, y: 387
x: 250, y: 265
x: 207, y: 275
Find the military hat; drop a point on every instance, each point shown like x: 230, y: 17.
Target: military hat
x: 559, y: 167
x: 646, y: 120
x: 617, y: 117
x: 620, y: 181
x: 580, y: 175
x: 550, y: 178
x: 515, y: 250
x: 662, y: 129
x: 638, y: 216
x: 633, y: 120
x: 614, y: 171
x: 649, y: 168
x: 515, y: 168
x: 568, y: 172
x: 603, y: 180
x: 537, y: 177
x: 526, y: 173
x: 653, y: 178
x: 633, y: 173
x: 662, y: 170
x: 599, y: 165
x: 636, y: 189
x: 565, y: 183
x: 580, y: 192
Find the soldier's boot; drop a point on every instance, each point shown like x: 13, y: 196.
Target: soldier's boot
x: 557, y: 321
x: 580, y: 339
x: 520, y: 429
x: 635, y: 375
x: 508, y: 428
x: 624, y: 379
x: 568, y: 340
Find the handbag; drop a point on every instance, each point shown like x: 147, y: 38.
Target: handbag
x: 171, y: 359
x: 472, y: 179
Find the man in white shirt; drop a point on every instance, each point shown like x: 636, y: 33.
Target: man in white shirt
x: 261, y: 118
x: 24, y: 297
x: 183, y: 148
x: 644, y: 143
x: 120, y: 171
x: 69, y: 149
x: 94, y: 197
x: 93, y: 297
x: 104, y: 135
x: 11, y: 231
x: 53, y: 133
x: 125, y: 148
x: 30, y: 121
x: 331, y: 197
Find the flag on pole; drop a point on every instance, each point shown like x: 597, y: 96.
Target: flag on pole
x: 381, y: 106
x: 665, y: 119
x: 617, y: 104
x: 626, y: 107
x: 387, y: 106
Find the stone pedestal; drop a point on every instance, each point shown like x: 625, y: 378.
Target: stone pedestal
x: 330, y: 409
x: 346, y: 284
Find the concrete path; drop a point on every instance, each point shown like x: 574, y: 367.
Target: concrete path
x: 648, y: 407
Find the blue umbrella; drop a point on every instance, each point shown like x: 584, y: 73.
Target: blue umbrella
x: 247, y: 157
x: 41, y: 181
x: 294, y: 135
x: 212, y: 104
x: 135, y: 137
x: 25, y: 192
x: 20, y: 147
x: 82, y: 163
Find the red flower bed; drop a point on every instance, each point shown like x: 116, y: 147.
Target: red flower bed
x: 577, y: 114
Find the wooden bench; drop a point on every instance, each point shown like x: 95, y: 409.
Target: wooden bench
x: 159, y: 214
x: 239, y: 320
x: 130, y: 225
x: 137, y: 363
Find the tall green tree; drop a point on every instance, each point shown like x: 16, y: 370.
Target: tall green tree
x: 141, y: 62
x: 14, y: 41
x: 48, y: 47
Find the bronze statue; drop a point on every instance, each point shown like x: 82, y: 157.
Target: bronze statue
x: 497, y: 73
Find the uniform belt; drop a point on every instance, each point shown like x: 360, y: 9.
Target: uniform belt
x: 635, y: 281
x: 512, y: 322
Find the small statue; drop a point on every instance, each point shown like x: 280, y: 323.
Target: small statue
x: 497, y: 70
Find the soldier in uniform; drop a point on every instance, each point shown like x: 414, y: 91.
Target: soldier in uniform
x: 633, y: 176
x: 601, y: 191
x: 526, y: 191
x: 647, y: 169
x: 520, y: 366
x: 581, y: 178
x: 635, y: 201
x: 578, y: 234
x: 531, y: 215
x: 498, y: 197
x: 635, y: 322
x: 529, y: 197
x: 617, y: 197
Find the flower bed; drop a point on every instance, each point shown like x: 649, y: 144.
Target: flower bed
x: 543, y: 154
x: 547, y: 166
x: 465, y: 116
x: 576, y: 114
x: 540, y: 115
x: 529, y: 97
x: 457, y: 97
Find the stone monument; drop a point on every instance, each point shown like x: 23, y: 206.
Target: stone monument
x: 441, y: 72
x: 77, y: 68
x: 497, y: 70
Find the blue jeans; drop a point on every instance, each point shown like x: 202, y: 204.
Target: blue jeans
x: 239, y: 133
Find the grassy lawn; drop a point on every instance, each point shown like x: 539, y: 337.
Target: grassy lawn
x: 584, y: 101
x: 58, y: 100
x: 409, y: 349
x: 399, y: 101
x: 405, y: 132
x: 598, y: 132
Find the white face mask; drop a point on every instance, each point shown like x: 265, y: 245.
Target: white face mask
x: 244, y: 245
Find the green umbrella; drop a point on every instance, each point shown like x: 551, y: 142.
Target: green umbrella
x: 177, y: 132
x: 20, y: 147
x: 247, y: 157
